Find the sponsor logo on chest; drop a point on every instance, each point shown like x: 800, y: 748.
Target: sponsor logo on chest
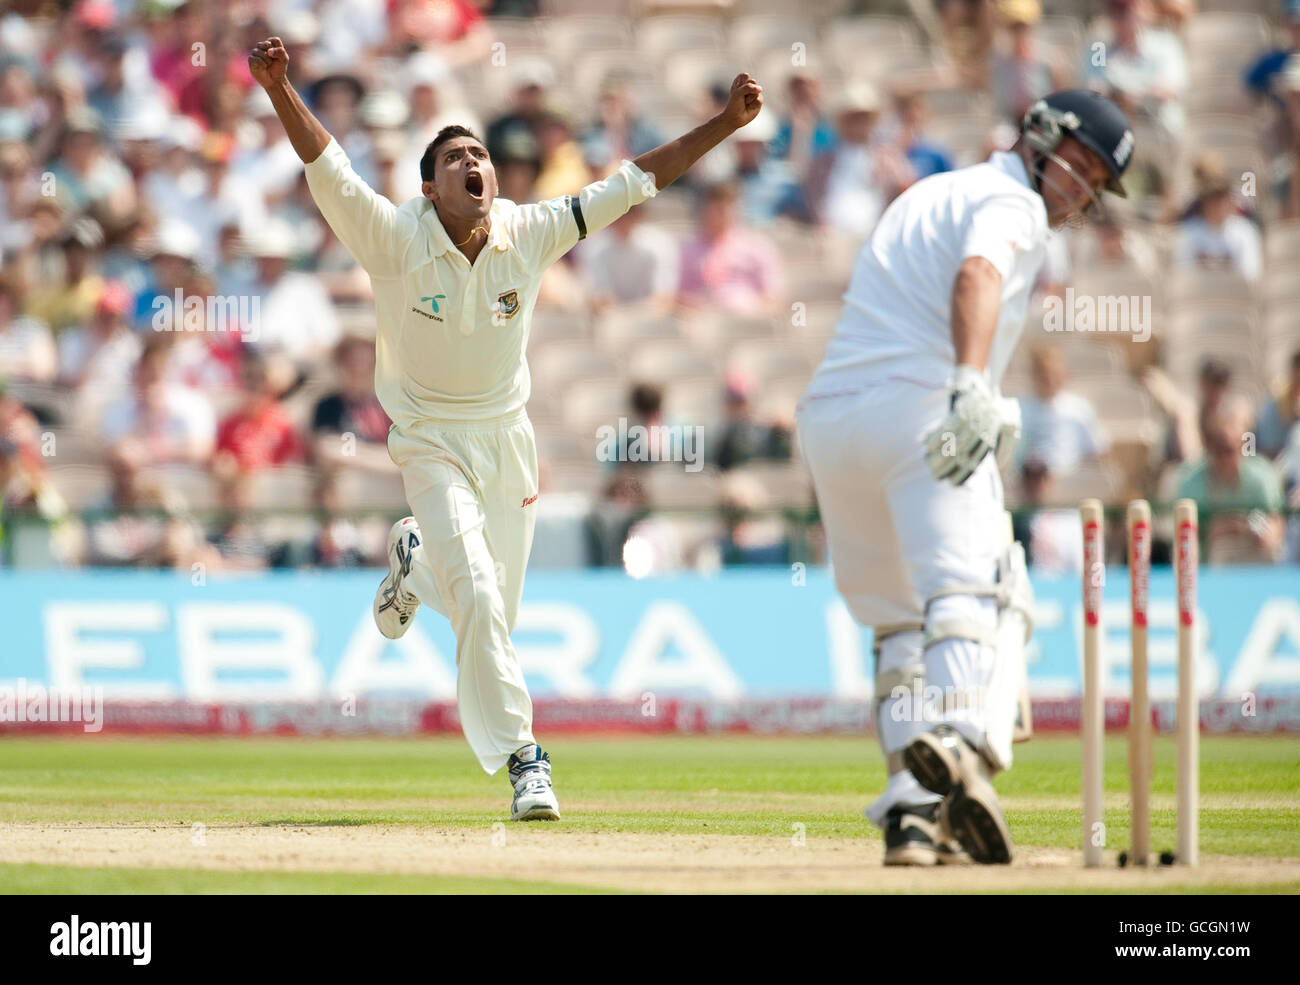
x: 431, y: 306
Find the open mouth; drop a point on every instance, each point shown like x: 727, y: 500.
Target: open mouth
x: 474, y: 184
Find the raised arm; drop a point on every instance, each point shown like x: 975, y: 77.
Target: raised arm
x: 269, y: 63
x: 368, y: 224
x: 670, y: 161
x: 548, y: 230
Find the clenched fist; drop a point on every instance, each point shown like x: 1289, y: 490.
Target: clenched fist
x: 269, y: 62
x: 745, y: 101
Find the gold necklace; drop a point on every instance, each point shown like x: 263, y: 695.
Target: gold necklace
x: 471, y: 235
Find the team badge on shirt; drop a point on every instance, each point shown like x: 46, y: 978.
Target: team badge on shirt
x: 508, y: 304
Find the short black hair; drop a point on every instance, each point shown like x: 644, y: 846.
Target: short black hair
x: 431, y: 152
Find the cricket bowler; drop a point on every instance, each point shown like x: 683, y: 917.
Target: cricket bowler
x: 456, y: 274
x: 897, y: 427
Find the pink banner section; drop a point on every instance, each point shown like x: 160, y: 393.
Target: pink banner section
x: 671, y: 716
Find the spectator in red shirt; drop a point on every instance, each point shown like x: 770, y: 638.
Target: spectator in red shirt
x: 454, y: 28
x: 259, y: 433
x: 172, y: 34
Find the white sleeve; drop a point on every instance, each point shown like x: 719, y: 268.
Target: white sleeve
x: 369, y: 225
x: 999, y: 228
x: 200, y: 424
x: 545, y: 231
x: 1249, y: 261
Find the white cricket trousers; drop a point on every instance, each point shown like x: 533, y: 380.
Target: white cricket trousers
x: 472, y: 487
x: 896, y: 536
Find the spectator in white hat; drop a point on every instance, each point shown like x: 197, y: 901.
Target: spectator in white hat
x: 174, y: 253
x: 138, y: 135
x: 176, y: 186
x: 295, y: 314
x: 767, y: 185
x: 849, y: 187
x: 433, y: 103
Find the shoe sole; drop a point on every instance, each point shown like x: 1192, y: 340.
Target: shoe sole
x: 374, y: 608
x: 933, y: 768
x: 979, y: 828
x: 971, y: 813
x: 398, y: 568
x: 542, y: 813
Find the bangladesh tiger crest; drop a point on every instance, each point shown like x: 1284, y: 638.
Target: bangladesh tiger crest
x: 508, y: 304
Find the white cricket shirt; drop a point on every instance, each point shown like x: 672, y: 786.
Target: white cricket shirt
x: 451, y: 337
x: 897, y: 316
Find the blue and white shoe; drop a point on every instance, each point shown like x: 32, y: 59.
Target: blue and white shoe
x: 394, y: 607
x: 530, y: 773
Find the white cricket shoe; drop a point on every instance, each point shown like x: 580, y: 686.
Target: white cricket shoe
x: 945, y: 763
x: 530, y: 773
x: 394, y: 607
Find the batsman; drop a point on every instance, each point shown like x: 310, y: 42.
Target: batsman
x: 903, y: 428
x: 456, y: 273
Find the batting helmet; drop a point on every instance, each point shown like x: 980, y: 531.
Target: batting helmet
x: 1089, y: 118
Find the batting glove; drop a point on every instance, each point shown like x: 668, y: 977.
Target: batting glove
x: 955, y: 449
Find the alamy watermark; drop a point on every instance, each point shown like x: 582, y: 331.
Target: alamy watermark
x: 183, y: 312
x: 102, y: 938
x: 37, y: 703
x: 651, y: 443
x: 1106, y: 313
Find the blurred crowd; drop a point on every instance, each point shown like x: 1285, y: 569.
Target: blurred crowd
x: 186, y: 363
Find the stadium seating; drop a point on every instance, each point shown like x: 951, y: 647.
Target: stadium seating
x: 584, y: 363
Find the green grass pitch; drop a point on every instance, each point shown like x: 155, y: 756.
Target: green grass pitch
x: 730, y: 787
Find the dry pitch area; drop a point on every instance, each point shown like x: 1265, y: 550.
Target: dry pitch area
x: 651, y: 815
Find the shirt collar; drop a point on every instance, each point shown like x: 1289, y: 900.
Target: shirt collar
x: 1010, y: 163
x: 498, y: 236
